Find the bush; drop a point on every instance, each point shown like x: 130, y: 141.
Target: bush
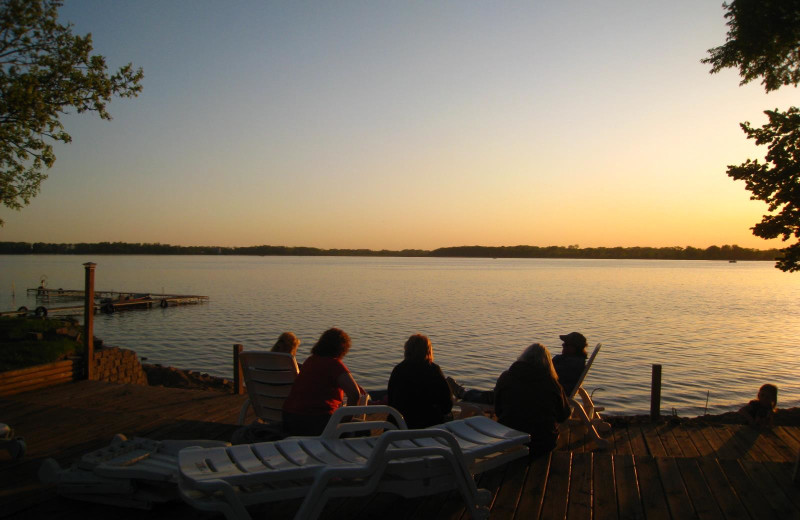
x: 18, y: 350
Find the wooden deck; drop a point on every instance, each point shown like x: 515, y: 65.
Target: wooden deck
x: 652, y: 471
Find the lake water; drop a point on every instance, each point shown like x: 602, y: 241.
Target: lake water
x: 719, y: 329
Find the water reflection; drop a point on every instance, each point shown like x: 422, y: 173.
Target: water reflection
x: 715, y: 327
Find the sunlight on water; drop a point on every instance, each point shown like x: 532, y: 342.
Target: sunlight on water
x: 715, y: 327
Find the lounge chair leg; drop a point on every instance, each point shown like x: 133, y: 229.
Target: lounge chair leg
x: 235, y: 509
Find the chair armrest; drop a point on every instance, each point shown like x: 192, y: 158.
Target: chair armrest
x: 243, y: 411
x: 336, y: 427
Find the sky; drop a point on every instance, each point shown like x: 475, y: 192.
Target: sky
x: 407, y: 125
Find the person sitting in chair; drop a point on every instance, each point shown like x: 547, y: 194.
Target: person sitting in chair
x: 321, y: 386
x: 417, y: 387
x: 570, y: 363
x: 528, y: 397
x: 287, y: 342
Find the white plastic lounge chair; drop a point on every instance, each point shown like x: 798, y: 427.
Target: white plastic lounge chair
x: 15, y: 446
x: 268, y: 377
x: 135, y: 472
x: 407, y: 462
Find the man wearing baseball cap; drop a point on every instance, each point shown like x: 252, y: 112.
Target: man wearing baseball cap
x: 570, y: 363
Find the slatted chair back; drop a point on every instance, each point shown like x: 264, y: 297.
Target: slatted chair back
x: 268, y: 377
x: 586, y: 368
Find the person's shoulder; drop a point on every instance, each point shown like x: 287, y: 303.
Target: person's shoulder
x: 504, y: 376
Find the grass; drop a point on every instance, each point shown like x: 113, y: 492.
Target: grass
x: 19, y: 350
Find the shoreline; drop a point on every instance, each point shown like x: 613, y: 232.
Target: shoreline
x: 171, y: 377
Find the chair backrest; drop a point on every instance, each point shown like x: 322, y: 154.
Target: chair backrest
x: 586, y: 368
x: 268, y: 377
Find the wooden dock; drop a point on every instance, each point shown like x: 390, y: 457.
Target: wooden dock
x: 105, y: 301
x: 651, y: 471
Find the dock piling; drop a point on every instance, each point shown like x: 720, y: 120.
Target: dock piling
x: 88, y: 319
x: 655, y: 394
x: 238, y: 379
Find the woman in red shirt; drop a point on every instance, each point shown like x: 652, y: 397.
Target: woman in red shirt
x: 321, y: 386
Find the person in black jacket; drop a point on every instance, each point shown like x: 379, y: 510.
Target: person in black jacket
x: 528, y: 397
x: 417, y: 387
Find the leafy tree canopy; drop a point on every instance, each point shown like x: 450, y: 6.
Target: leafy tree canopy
x: 764, y: 42
x: 45, y: 71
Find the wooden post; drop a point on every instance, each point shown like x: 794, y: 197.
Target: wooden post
x: 88, y: 319
x: 238, y: 379
x: 655, y: 393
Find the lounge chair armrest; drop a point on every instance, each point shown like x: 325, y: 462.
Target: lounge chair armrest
x: 243, y: 411
x: 335, y: 425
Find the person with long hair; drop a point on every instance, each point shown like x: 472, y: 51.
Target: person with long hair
x: 528, y: 397
x: 321, y: 386
x: 287, y: 342
x: 417, y: 387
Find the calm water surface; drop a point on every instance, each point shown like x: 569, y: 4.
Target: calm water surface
x: 720, y: 330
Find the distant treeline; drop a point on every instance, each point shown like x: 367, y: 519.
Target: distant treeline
x: 725, y: 252
x: 656, y: 253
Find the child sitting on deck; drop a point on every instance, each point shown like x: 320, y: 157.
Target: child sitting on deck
x: 761, y: 411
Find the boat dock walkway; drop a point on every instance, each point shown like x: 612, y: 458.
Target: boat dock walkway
x: 651, y: 471
x: 105, y: 301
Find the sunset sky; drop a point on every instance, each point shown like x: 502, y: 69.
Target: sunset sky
x: 394, y: 124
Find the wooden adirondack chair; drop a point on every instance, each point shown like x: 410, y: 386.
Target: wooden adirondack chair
x: 268, y: 377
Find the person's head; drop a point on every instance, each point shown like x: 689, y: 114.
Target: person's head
x: 418, y: 347
x: 574, y: 344
x: 333, y: 343
x: 538, y: 356
x: 287, y: 342
x: 768, y: 395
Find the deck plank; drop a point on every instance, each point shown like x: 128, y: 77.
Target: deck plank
x: 680, y: 505
x: 747, y: 439
x: 699, y: 441
x: 782, y: 475
x: 508, y: 496
x: 654, y: 446
x: 724, y: 447
x: 653, y: 499
x: 627, y: 486
x: 530, y: 503
x: 604, y: 493
x: 685, y: 442
x: 774, y: 446
x: 579, y: 503
x: 745, y: 489
x: 621, y: 440
x: 764, y: 483
x: 703, y: 502
x: 557, y: 492
x: 671, y: 445
x: 726, y: 498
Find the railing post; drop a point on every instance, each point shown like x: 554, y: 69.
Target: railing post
x: 655, y: 394
x: 238, y: 379
x: 88, y: 319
